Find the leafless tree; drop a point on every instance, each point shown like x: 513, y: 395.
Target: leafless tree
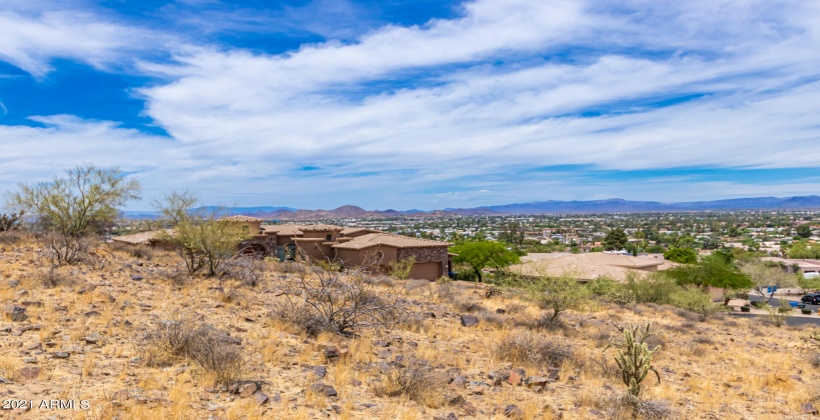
x: 345, y: 302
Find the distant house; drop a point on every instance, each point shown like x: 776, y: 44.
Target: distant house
x: 352, y: 247
x: 154, y: 238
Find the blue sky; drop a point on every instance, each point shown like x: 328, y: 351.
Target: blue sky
x: 416, y: 104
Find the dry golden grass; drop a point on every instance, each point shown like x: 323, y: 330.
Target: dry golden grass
x: 727, y: 368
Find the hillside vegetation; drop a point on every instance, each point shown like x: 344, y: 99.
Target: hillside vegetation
x: 138, y: 338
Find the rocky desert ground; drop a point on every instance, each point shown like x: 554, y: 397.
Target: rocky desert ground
x: 127, y: 335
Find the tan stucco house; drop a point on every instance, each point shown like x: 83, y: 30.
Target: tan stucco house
x: 352, y: 247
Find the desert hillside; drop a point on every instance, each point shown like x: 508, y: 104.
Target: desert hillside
x: 131, y: 334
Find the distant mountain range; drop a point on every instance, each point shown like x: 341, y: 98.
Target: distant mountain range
x: 613, y: 205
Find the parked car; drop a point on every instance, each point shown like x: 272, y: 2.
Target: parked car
x: 813, y: 299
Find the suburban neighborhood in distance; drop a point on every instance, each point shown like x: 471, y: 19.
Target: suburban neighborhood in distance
x: 426, y: 209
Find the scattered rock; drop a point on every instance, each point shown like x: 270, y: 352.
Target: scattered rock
x: 332, y: 354
x: 469, y: 320
x: 260, y: 397
x: 248, y: 389
x: 137, y: 277
x: 35, y: 303
x: 498, y: 377
x: 61, y: 355
x: 516, y: 377
x: 29, y: 373
x: 319, y: 371
x: 323, y: 389
x: 500, y: 311
x: 534, y: 381
x: 808, y: 408
x: 93, y: 338
x: 513, y: 411
x: 121, y: 395
x: 16, y: 313
x: 459, y: 381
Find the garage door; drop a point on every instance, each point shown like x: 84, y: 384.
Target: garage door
x: 426, y: 271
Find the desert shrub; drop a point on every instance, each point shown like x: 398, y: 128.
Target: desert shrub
x: 290, y: 267
x: 533, y: 349
x: 142, y: 252
x: 611, y: 290
x: 177, y: 275
x: 50, y: 278
x: 465, y: 272
x: 414, y: 285
x: 688, y: 315
x: 211, y: 349
x: 248, y: 270
x: 654, y: 288
x: 168, y: 342
x: 215, y: 352
x: 491, y: 291
x: 62, y: 249
x: 491, y: 318
x: 778, y: 314
x: 515, y: 308
x: 11, y: 221
x: 470, y: 306
x: 617, y: 406
x: 416, y: 379
x: 401, y: 268
x: 11, y: 237
x: 694, y: 300
x: 343, y: 303
x: 814, y: 359
x: 603, y: 286
x: 558, y: 293
x: 702, y: 339
x: 623, y: 297
x: 301, y: 317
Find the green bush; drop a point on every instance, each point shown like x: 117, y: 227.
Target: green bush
x: 558, y: 293
x: 681, y: 255
x: 603, y: 286
x: 697, y: 301
x: 652, y: 288
x: 611, y: 290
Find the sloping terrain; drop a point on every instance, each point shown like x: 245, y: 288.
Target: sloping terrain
x: 95, y: 332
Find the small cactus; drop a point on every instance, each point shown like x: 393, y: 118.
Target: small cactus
x: 634, y: 358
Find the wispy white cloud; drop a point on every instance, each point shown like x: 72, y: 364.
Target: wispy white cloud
x: 615, y: 84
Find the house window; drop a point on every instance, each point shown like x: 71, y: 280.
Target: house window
x: 379, y: 255
x: 328, y: 237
